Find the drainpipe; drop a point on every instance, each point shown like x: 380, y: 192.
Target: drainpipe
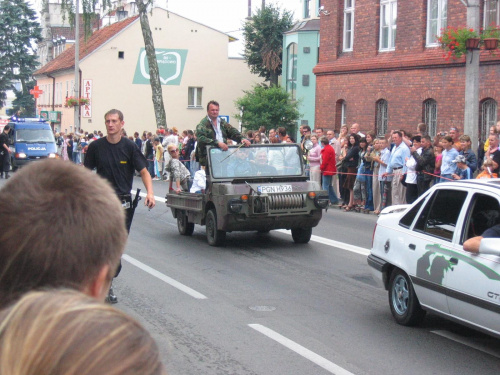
x: 53, y: 91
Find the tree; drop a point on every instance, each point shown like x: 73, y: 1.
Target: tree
x: 24, y: 101
x: 89, y: 7
x: 19, y: 33
x: 268, y: 106
x: 264, y: 41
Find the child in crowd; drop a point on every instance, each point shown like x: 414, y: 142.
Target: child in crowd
x: 463, y: 172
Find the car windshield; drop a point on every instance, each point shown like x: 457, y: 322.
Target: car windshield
x: 256, y: 161
x: 34, y: 135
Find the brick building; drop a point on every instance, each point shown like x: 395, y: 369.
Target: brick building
x: 391, y: 74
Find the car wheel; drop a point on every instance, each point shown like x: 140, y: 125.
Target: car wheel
x: 215, y: 237
x: 301, y: 235
x: 403, y: 301
x: 183, y: 225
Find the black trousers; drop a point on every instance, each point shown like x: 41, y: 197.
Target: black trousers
x: 423, y: 183
x: 4, y: 161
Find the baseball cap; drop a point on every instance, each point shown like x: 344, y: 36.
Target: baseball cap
x: 460, y: 159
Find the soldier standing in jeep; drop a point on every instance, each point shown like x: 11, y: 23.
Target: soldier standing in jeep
x: 214, y: 131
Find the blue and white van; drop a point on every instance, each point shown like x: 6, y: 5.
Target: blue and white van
x: 30, y: 139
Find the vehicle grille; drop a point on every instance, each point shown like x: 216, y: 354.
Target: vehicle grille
x: 286, y: 201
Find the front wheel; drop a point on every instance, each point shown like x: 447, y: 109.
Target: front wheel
x: 301, y: 235
x: 183, y: 225
x: 215, y: 237
x: 403, y: 301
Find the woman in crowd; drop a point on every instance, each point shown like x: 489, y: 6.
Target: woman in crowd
x: 448, y: 167
x: 368, y: 163
x: 178, y: 173
x: 343, y: 136
x: 342, y: 170
x: 411, y: 172
x: 372, y: 157
x: 64, y: 149
x: 351, y: 161
x: 465, y: 150
x: 62, y: 332
x: 438, y: 152
x: 359, y: 188
x: 257, y: 139
x: 314, y: 157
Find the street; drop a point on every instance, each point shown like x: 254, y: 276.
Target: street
x: 264, y: 305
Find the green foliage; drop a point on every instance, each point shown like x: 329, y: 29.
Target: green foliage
x: 453, y: 40
x: 264, y: 41
x: 268, y: 106
x: 19, y: 33
x: 24, y: 103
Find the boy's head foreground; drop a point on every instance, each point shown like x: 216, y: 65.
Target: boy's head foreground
x: 62, y: 226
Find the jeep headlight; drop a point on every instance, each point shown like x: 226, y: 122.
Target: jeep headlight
x: 235, y: 205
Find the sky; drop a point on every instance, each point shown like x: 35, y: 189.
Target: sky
x: 224, y: 15
x: 227, y: 15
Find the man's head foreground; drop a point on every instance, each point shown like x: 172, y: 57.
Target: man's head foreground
x: 62, y: 226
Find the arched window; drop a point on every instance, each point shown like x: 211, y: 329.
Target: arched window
x: 430, y: 116
x: 341, y: 117
x: 291, y: 70
x: 489, y: 108
x: 381, y: 125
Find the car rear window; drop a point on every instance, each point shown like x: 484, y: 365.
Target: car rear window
x: 440, y: 215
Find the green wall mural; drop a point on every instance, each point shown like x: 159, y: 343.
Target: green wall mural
x: 170, y: 65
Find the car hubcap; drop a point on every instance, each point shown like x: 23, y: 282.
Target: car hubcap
x: 400, y: 295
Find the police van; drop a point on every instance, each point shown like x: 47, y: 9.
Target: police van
x: 30, y: 139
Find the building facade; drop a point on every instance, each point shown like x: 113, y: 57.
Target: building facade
x: 300, y: 56
x: 381, y: 66
x: 194, y: 68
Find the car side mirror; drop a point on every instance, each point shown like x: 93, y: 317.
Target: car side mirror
x: 490, y: 246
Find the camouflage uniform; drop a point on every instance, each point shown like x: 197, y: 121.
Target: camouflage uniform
x: 205, y: 135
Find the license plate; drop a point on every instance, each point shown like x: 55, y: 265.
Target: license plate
x: 275, y: 189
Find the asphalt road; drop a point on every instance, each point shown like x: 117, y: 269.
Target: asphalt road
x: 264, y: 305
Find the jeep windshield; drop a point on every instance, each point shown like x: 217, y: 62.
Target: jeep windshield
x: 34, y: 136
x: 256, y: 161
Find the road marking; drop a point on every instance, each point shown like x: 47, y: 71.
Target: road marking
x: 341, y: 245
x: 467, y: 342
x: 299, y: 349
x: 183, y: 288
x: 144, y: 195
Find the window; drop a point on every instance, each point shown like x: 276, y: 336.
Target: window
x: 437, y: 13
x: 482, y: 215
x: 307, y: 8
x: 348, y: 24
x: 440, y: 215
x: 388, y: 21
x: 488, y: 116
x: 121, y: 54
x: 381, y: 125
x: 430, y: 116
x: 491, y: 13
x: 410, y: 216
x: 194, y: 97
x: 343, y: 113
x: 291, y: 70
x: 340, y: 113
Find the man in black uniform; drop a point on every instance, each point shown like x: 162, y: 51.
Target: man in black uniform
x: 116, y: 158
x: 4, y: 152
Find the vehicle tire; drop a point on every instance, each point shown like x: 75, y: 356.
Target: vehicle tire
x: 403, y: 301
x: 183, y: 225
x: 215, y: 237
x: 301, y: 235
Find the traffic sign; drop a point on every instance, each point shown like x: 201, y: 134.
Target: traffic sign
x: 226, y: 118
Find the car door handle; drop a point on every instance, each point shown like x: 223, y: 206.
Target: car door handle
x: 412, y: 246
x: 454, y: 261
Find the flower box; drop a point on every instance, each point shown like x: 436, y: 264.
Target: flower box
x: 490, y: 43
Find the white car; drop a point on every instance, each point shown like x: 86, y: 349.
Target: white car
x: 418, y: 256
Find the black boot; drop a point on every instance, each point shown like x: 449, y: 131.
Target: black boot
x: 111, y: 298
x: 7, y: 175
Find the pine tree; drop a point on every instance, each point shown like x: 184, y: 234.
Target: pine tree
x: 19, y: 33
x: 264, y: 41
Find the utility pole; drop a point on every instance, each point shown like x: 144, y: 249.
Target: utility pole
x: 471, y: 116
x: 77, y: 66
x: 249, y: 10
x: 263, y: 4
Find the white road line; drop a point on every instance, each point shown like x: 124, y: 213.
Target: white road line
x: 299, y: 349
x: 467, y: 342
x: 341, y: 245
x: 183, y: 288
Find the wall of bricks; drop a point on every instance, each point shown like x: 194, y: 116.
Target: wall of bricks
x: 405, y: 77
